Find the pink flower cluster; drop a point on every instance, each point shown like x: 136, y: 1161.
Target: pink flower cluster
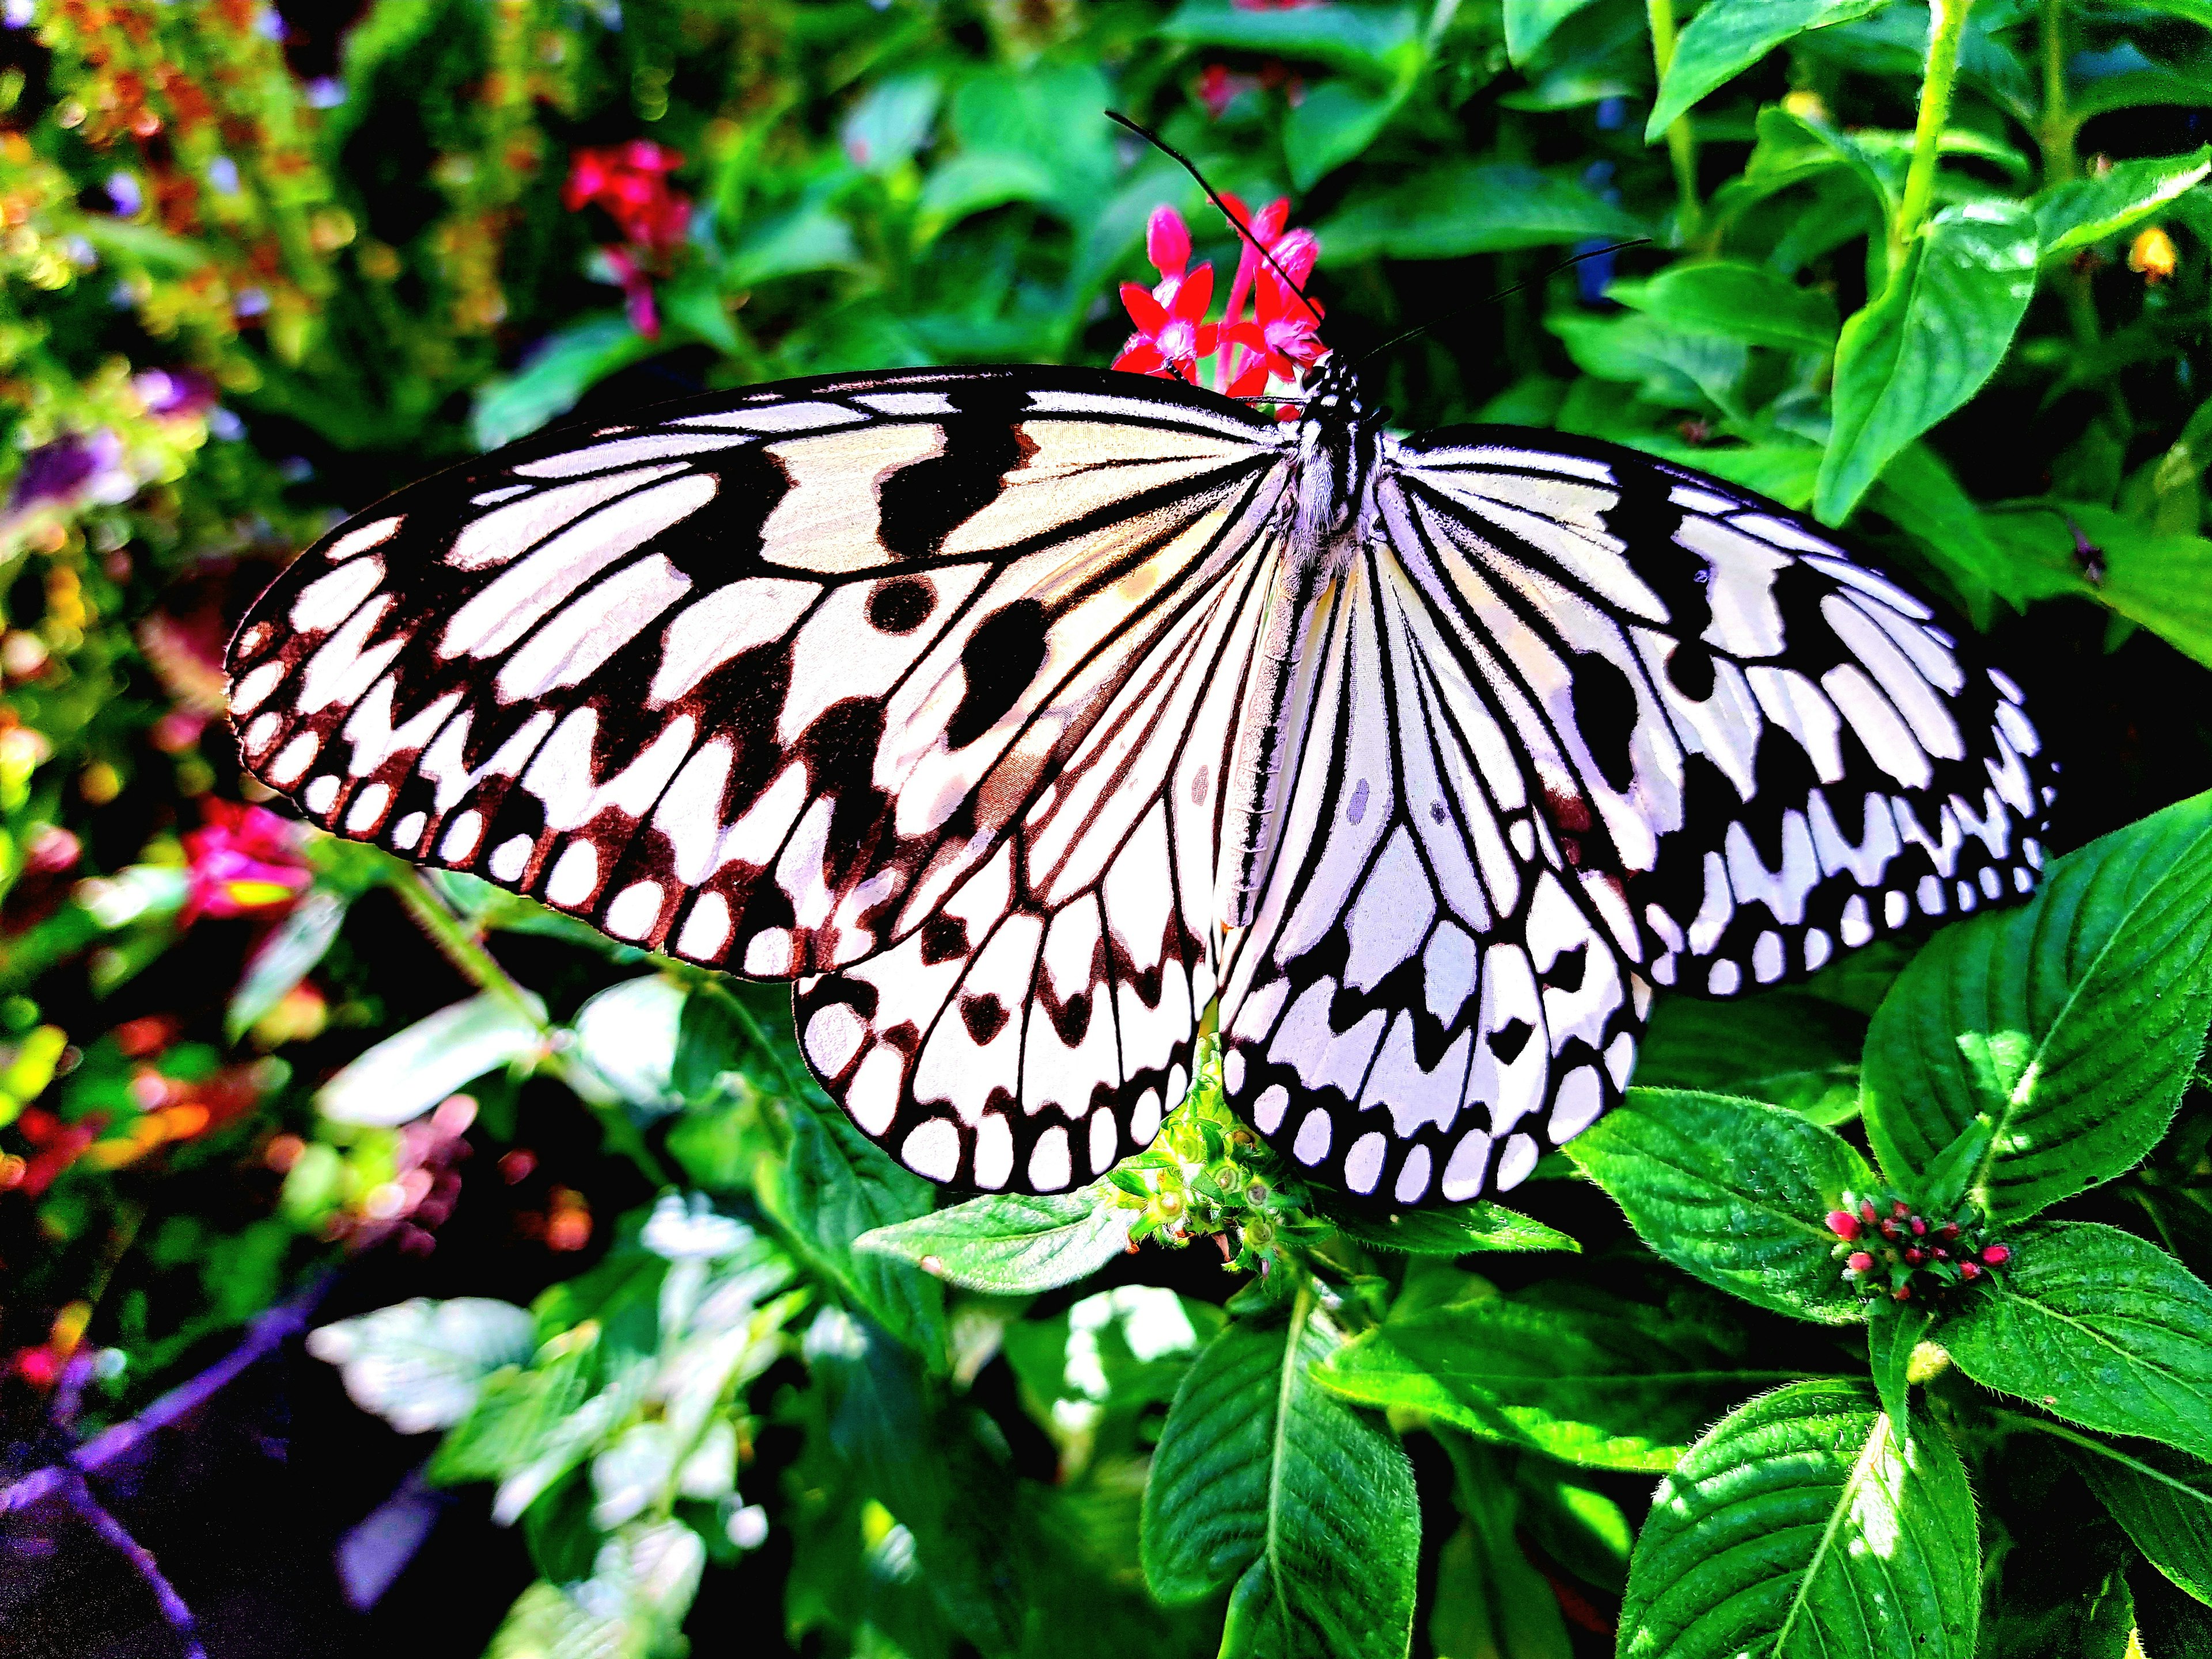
x: 631, y: 181
x: 1905, y: 1256
x: 243, y: 860
x: 1271, y: 350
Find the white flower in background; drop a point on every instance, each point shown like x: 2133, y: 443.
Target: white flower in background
x: 419, y: 1365
x: 682, y: 1232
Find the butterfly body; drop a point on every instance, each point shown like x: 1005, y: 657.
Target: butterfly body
x: 1021, y: 715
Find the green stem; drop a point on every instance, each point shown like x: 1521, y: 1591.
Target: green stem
x: 2056, y: 134
x: 459, y: 946
x: 1947, y: 28
x: 1681, y: 142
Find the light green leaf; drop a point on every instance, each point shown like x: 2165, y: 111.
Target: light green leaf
x: 1490, y: 1599
x: 1266, y: 1485
x: 1786, y: 1048
x: 1728, y: 36
x: 1733, y: 1193
x: 1893, y: 1333
x: 2071, y: 1025
x: 1333, y: 124
x: 798, y: 243
x: 1784, y: 471
x: 1740, y: 301
x: 1011, y: 1243
x: 1920, y: 495
x: 2099, y: 1328
x: 418, y: 1365
x: 2159, y: 578
x: 1447, y: 211
x: 1793, y: 149
x: 1927, y: 344
x: 2085, y: 210
x: 974, y: 182
x: 1803, y: 1527
x: 1529, y: 23
x: 1471, y: 1227
x: 1557, y: 1369
x: 409, y: 1072
x: 2163, y: 1502
x: 627, y: 1034
x: 563, y: 367
x: 1365, y: 39
x: 889, y: 124
x: 1676, y: 368
x: 285, y: 957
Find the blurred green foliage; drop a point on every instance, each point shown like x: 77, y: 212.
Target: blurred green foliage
x: 1940, y: 276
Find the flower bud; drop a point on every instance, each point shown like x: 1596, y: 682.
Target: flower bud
x: 1970, y: 1270
x: 1919, y: 1227
x: 1843, y: 1223
x: 1997, y: 1255
x: 1902, y: 1293
x: 1915, y: 1256
x: 1900, y: 1208
x: 1866, y: 1211
x: 1858, y: 1261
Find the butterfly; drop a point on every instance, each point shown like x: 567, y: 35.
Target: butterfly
x: 1023, y: 716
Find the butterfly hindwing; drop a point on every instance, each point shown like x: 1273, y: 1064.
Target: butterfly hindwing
x: 756, y: 681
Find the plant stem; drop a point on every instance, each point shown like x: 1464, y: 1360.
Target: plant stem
x: 1947, y: 28
x: 481, y: 969
x: 2056, y: 134
x: 1682, y: 143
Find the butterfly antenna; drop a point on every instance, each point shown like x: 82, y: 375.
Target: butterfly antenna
x: 1544, y: 275
x: 1215, y: 197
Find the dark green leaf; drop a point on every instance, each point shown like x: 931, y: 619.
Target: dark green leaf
x: 2161, y: 578
x: 2071, y: 1025
x: 1927, y: 344
x: 1556, y: 1369
x: 1529, y: 23
x: 1011, y: 1244
x: 1787, y: 1048
x: 1333, y: 124
x: 1366, y: 39
x: 1893, y: 1333
x: 1447, y: 211
x: 1266, y: 1485
x: 1803, y: 1526
x: 1483, y: 1226
x: 1728, y: 36
x: 2165, y: 1502
x: 2098, y: 1326
x: 1490, y: 1598
x: 837, y: 1185
x: 563, y: 367
x: 2085, y: 210
x: 1732, y: 1192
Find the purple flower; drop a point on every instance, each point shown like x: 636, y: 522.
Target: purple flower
x: 60, y: 470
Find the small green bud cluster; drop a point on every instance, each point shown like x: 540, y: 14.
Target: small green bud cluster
x: 1208, y: 1173
x: 1891, y: 1253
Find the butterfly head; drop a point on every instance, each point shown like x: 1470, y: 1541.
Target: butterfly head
x: 1336, y: 451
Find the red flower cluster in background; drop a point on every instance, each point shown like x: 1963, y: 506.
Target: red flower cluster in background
x: 1270, y: 351
x: 243, y: 860
x: 630, y: 182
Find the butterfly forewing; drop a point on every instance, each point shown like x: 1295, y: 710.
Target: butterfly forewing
x: 759, y: 682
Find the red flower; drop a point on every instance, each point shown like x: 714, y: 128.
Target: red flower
x: 1169, y: 340
x: 244, y: 860
x: 631, y: 181
x: 1167, y: 245
x: 1997, y: 1255
x: 1843, y: 1223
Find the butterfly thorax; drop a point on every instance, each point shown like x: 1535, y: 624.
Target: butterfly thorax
x: 1331, y: 509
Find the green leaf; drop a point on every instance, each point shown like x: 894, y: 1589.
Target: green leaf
x: 1927, y: 344
x: 1741, y: 301
x: 2084, y: 210
x: 1733, y: 1193
x: 1483, y: 1226
x: 1728, y: 37
x: 837, y: 1184
x: 1793, y: 149
x: 1450, y: 210
x: 2070, y: 1025
x: 628, y: 1034
x: 974, y: 182
x: 2160, y: 578
x: 1011, y: 1244
x: 1265, y: 1482
x: 1333, y: 124
x: 284, y: 958
x: 1787, y: 1048
x: 808, y: 239
x: 1365, y: 39
x: 887, y: 126
x: 1803, y: 1527
x: 1558, y: 1369
x: 2098, y: 1327
x: 2163, y: 1502
x: 1675, y: 368
x: 1489, y: 1598
x: 1893, y: 1333
x: 563, y: 367
x: 1920, y: 495
x: 1529, y: 23
x: 409, y: 1072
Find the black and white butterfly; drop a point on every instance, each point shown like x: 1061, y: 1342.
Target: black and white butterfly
x: 1021, y: 713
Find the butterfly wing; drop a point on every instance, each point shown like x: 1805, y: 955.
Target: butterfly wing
x: 1034, y: 1030
x: 757, y: 680
x: 1591, y: 722
x: 1773, y: 746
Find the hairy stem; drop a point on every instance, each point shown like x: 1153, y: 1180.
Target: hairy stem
x: 1947, y: 28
